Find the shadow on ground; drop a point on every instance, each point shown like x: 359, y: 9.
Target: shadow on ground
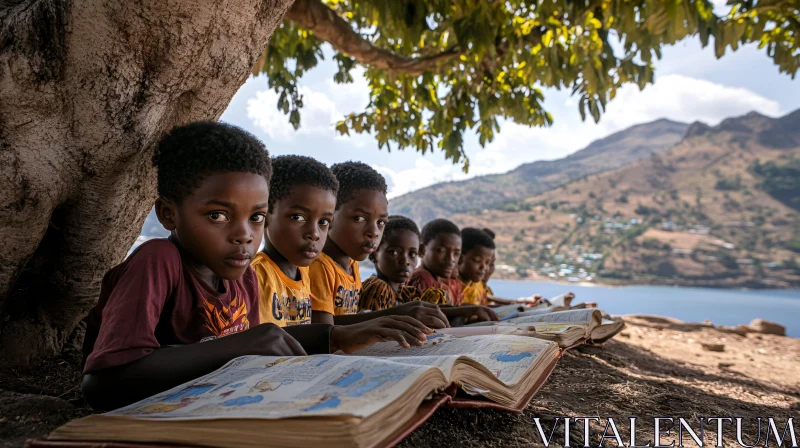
x: 619, y: 379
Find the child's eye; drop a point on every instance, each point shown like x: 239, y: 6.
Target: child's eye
x: 218, y: 217
x: 361, y: 219
x: 298, y: 218
x: 381, y: 223
x: 325, y: 222
x: 258, y: 217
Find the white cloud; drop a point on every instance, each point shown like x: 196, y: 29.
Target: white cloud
x: 322, y: 107
x: 685, y: 99
x: 675, y: 97
x: 423, y: 174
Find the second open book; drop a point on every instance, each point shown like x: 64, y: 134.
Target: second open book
x: 372, y: 398
x: 567, y: 328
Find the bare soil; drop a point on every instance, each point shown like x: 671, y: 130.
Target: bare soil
x: 655, y: 367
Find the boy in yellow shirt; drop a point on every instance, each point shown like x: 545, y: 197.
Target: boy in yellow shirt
x: 302, y: 198
x: 360, y: 217
x: 487, y: 290
x: 477, y: 251
x: 490, y: 271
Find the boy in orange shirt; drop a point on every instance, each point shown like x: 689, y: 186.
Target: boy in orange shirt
x: 360, y: 216
x: 302, y: 198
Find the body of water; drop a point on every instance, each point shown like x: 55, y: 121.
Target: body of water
x: 720, y: 306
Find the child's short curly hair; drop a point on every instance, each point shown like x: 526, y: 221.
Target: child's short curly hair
x: 354, y: 176
x: 437, y: 227
x: 397, y: 223
x: 489, y: 232
x: 189, y: 153
x: 290, y: 171
x: 472, y: 237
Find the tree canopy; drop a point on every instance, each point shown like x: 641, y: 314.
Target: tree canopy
x: 438, y: 69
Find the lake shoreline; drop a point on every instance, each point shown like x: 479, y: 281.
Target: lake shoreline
x: 746, y: 285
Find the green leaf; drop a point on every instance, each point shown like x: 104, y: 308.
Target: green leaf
x: 507, y: 52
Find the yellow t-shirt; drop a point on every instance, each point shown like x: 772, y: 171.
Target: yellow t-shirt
x: 489, y: 292
x: 474, y: 293
x: 332, y: 289
x: 282, y: 301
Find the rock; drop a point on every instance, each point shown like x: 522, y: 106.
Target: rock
x: 767, y: 327
x: 741, y: 330
x: 713, y: 347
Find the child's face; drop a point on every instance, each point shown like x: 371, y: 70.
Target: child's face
x: 397, y: 255
x: 358, y: 224
x: 490, y: 270
x: 298, y: 225
x: 221, y: 223
x: 474, y: 263
x: 440, y: 255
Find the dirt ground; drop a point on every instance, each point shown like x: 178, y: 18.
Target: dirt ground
x: 655, y: 367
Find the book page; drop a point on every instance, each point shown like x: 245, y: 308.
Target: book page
x: 269, y: 387
x: 508, y: 357
x: 537, y: 311
x: 507, y: 311
x: 523, y: 329
x: 585, y: 316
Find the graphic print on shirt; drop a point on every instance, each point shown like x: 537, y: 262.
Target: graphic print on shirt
x: 295, y: 311
x: 224, y: 321
x: 346, y: 301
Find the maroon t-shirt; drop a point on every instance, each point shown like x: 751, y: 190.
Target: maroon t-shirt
x: 154, y: 299
x: 423, y: 279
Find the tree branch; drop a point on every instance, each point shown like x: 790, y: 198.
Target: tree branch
x: 328, y: 26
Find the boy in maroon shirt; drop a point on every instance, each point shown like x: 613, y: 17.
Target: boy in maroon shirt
x: 440, y: 250
x: 197, y: 285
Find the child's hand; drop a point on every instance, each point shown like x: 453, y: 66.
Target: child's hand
x: 268, y: 340
x: 427, y: 313
x: 407, y: 331
x: 471, y: 313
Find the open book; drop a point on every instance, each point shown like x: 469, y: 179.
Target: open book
x: 518, y: 307
x: 372, y: 398
x: 566, y: 335
x: 563, y: 327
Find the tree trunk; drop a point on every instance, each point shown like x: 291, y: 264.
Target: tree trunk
x: 87, y: 87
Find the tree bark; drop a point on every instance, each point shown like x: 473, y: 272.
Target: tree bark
x: 87, y: 87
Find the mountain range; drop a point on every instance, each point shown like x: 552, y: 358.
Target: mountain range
x: 485, y: 192
x: 717, y: 206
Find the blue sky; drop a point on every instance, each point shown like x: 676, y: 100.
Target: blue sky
x: 691, y: 84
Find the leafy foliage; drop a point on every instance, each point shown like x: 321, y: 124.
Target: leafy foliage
x: 497, y: 56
